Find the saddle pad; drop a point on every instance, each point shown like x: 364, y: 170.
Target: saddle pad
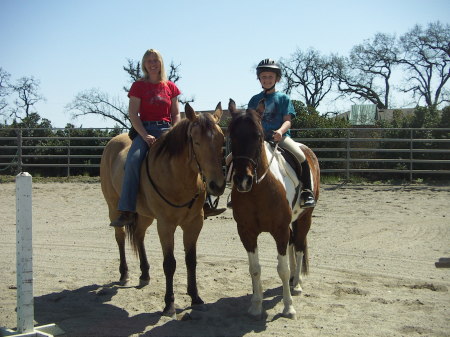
x: 284, y: 173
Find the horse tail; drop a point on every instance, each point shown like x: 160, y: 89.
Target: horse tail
x: 131, y: 230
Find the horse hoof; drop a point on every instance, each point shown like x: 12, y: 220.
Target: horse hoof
x: 123, y: 281
x: 169, y: 311
x: 143, y: 283
x: 290, y: 313
x: 197, y: 300
x: 199, y: 307
x: 255, y: 314
x: 296, y: 291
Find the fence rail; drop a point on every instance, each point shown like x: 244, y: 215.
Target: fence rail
x: 352, y: 151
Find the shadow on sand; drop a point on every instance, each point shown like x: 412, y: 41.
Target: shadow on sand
x: 85, y: 312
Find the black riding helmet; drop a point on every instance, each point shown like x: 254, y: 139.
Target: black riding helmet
x: 268, y: 65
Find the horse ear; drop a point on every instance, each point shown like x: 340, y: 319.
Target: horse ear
x: 232, y: 107
x: 261, y: 107
x: 190, y: 113
x: 218, y: 112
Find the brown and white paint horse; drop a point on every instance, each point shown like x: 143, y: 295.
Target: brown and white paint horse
x: 172, y: 191
x: 260, y: 204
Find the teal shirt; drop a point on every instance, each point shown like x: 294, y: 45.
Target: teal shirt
x: 278, y: 105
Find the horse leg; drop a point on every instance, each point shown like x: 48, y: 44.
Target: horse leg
x: 282, y: 241
x: 255, y: 309
x: 142, y: 224
x: 283, y: 272
x: 300, y: 252
x: 166, y: 237
x: 123, y: 267
x: 190, y: 247
x: 249, y: 239
x: 292, y: 260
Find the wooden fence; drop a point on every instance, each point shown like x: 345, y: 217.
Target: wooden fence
x: 370, y: 152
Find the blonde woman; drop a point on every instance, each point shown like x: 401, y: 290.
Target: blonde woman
x: 153, y: 108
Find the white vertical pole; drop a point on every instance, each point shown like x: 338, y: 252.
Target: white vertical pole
x: 24, y: 254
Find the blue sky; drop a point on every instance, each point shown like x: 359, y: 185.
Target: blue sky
x: 71, y: 46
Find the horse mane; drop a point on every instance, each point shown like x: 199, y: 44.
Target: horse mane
x: 174, y: 141
x: 250, y: 117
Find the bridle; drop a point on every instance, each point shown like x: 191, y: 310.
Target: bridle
x: 255, y: 165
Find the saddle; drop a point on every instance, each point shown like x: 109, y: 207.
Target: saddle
x: 292, y: 161
x: 284, y: 158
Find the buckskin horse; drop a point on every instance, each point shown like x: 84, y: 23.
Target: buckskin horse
x: 261, y: 201
x: 181, y: 165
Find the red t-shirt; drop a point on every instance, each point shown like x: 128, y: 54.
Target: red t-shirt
x: 156, y: 99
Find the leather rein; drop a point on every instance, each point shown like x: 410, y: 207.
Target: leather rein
x: 255, y: 165
x: 186, y: 204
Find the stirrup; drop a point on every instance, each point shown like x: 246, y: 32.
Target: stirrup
x: 209, y: 203
x: 309, y: 201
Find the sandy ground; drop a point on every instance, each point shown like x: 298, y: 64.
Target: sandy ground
x: 372, y: 257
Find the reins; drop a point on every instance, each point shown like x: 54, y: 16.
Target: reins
x: 186, y: 204
x: 268, y: 166
x: 255, y: 165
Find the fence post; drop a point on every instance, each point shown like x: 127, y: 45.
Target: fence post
x: 68, y: 153
x: 411, y: 156
x: 24, y: 266
x: 348, y: 155
x: 19, y: 150
x: 24, y: 254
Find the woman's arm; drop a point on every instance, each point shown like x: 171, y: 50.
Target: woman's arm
x: 133, y: 112
x: 175, y: 111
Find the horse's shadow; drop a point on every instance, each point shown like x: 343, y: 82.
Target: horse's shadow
x: 85, y: 312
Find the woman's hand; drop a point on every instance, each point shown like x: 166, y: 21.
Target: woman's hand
x: 149, y: 139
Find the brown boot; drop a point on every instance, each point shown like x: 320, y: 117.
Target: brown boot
x: 125, y: 218
x: 209, y: 211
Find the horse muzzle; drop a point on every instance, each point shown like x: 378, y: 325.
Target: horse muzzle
x: 215, y: 189
x: 243, y: 184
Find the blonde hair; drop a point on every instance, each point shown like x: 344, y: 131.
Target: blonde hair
x: 162, y: 73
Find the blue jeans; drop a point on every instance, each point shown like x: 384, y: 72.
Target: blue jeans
x: 135, y: 157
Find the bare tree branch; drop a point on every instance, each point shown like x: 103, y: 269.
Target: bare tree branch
x: 95, y: 102
x: 366, y: 73
x: 426, y: 57
x: 27, y: 90
x: 309, y: 73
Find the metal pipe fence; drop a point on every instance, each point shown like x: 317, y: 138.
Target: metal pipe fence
x: 370, y: 152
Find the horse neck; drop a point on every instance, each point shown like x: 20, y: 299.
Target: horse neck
x: 263, y: 162
x: 174, y: 170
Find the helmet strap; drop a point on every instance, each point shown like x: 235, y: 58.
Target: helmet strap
x: 267, y: 90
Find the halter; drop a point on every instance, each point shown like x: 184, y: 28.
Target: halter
x: 255, y: 165
x: 186, y: 204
